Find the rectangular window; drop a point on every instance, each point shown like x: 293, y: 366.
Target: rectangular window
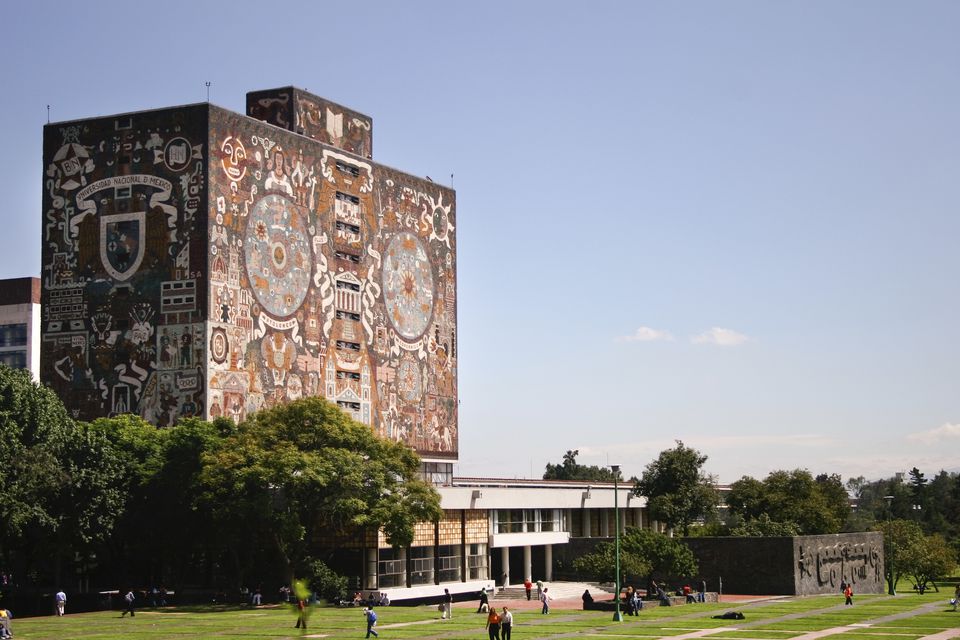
x: 349, y: 346
x: 421, y: 565
x: 348, y: 286
x: 477, y: 562
x: 13, y: 335
x: 348, y: 169
x: 449, y: 560
x: 346, y: 197
x: 347, y: 315
x: 391, y: 569
x: 349, y: 257
x: 14, y: 359
x: 352, y: 228
x: 548, y: 520
x: 530, y: 517
x: 437, y: 472
x: 510, y: 521
x: 348, y: 406
x: 344, y: 375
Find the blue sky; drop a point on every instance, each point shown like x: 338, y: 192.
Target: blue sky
x: 731, y: 223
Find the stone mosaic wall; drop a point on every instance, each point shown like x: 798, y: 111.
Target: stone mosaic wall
x: 305, y: 270
x: 124, y: 264
x: 315, y: 117
x: 333, y: 276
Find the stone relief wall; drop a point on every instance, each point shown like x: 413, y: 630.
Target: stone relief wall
x: 124, y: 262
x: 802, y: 565
x: 823, y: 562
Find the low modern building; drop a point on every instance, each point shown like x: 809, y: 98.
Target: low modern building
x: 20, y: 324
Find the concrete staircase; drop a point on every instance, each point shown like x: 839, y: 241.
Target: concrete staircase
x: 558, y: 590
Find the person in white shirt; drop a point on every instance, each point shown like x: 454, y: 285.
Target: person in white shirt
x: 506, y: 623
x: 61, y: 599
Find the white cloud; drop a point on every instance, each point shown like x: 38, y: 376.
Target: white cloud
x: 720, y: 337
x: 932, y: 436
x: 647, y: 334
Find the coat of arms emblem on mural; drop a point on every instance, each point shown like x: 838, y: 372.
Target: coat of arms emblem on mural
x: 122, y: 239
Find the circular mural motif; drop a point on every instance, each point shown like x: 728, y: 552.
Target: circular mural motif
x: 408, y: 285
x: 277, y: 252
x: 408, y: 380
x: 219, y: 345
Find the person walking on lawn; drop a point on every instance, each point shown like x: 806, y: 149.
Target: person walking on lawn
x: 506, y: 624
x: 371, y: 616
x: 545, y: 598
x: 848, y: 594
x: 493, y: 624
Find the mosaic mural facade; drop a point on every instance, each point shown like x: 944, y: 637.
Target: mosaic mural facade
x: 124, y: 262
x: 315, y: 117
x: 200, y: 262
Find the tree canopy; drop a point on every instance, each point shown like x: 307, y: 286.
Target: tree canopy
x: 570, y: 469
x: 678, y: 492
x: 304, y: 467
x: 793, y: 499
x: 199, y: 502
x: 644, y: 553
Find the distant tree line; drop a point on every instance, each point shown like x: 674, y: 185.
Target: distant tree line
x: 920, y: 518
x: 117, y: 502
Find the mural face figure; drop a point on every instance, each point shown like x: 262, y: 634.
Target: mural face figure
x: 233, y: 158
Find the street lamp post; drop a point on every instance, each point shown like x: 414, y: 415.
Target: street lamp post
x: 617, y: 615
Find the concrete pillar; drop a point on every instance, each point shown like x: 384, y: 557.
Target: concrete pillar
x: 638, y: 517
x: 568, y: 521
x: 585, y: 519
x: 548, y: 562
x: 527, y: 563
x: 605, y: 524
x: 505, y: 561
x: 371, y: 580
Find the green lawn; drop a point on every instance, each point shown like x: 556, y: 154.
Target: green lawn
x: 767, y: 620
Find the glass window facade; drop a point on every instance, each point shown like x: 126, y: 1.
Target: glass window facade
x: 392, y: 569
x: 449, y: 563
x: 13, y: 335
x: 437, y: 472
x: 421, y: 565
x: 14, y: 359
x: 477, y: 562
x: 528, y: 520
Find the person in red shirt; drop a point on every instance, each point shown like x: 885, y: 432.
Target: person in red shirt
x: 527, y: 586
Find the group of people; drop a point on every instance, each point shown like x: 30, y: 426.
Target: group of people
x: 499, y: 625
x: 632, y: 601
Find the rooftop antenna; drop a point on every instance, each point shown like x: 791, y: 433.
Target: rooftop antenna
x: 48, y: 114
x: 208, y: 90
x: 451, y: 181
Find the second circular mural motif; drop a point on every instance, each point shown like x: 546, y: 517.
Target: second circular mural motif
x: 277, y: 252
x: 408, y: 285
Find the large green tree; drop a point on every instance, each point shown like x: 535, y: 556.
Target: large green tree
x: 928, y: 559
x: 570, y: 469
x: 899, y: 538
x: 793, y: 499
x: 58, y: 481
x: 678, y: 492
x: 643, y: 552
x: 306, y: 467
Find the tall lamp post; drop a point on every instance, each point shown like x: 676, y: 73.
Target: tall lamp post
x: 617, y: 615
